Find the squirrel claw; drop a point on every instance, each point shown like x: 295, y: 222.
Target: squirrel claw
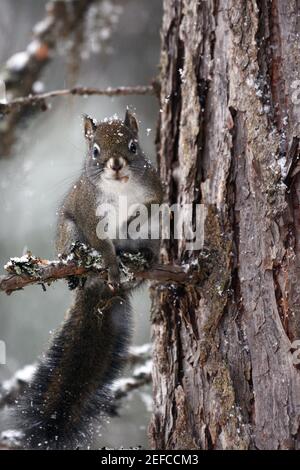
x: 113, y: 286
x: 113, y: 283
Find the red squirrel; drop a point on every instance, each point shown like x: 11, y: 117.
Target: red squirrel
x: 72, y: 385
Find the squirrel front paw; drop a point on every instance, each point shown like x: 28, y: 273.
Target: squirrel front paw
x: 73, y: 282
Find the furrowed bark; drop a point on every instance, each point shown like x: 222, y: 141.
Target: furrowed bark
x: 223, y: 374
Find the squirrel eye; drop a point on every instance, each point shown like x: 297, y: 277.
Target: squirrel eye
x: 96, y: 151
x: 132, y: 146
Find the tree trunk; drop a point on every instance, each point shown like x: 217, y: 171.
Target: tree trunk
x: 224, y: 375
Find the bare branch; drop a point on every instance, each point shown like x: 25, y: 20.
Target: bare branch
x: 141, y: 376
x: 39, y: 99
x: 138, y: 354
x: 29, y: 270
x: 11, y: 389
x: 23, y: 69
x: 50, y: 271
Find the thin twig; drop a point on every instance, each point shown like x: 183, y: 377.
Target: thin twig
x: 61, y: 21
x: 39, y: 99
x: 139, y: 354
x: 141, y: 376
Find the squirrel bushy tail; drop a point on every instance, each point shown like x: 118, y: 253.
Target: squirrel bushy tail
x: 72, y: 382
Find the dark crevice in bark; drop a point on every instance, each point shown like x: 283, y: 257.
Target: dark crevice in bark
x: 200, y: 143
x: 293, y: 159
x: 167, y: 152
x: 203, y: 90
x: 277, y: 72
x: 269, y: 56
x: 209, y: 442
x: 193, y: 323
x: 176, y: 111
x: 243, y: 383
x: 177, y: 294
x: 264, y: 59
x: 208, y: 40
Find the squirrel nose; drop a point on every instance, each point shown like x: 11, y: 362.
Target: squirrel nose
x: 115, y: 164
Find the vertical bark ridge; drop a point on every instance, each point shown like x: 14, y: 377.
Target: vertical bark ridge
x: 223, y: 372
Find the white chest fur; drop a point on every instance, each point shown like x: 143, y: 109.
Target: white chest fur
x: 119, y: 200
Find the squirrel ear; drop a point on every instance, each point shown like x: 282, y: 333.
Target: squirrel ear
x: 90, y: 126
x: 131, y: 122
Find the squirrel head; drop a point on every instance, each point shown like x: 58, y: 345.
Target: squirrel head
x: 114, y: 153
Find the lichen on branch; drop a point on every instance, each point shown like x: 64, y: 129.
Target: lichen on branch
x: 82, y: 261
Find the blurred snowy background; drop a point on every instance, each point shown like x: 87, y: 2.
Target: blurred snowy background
x: 46, y: 158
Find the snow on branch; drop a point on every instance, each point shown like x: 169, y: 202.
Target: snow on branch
x: 141, y: 376
x: 82, y: 260
x: 13, y: 387
x: 40, y: 99
x: 139, y: 357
